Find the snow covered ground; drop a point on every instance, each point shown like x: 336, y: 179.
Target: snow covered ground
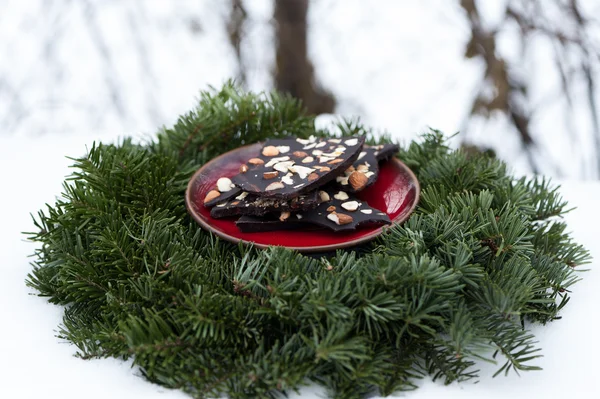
x: 75, y: 72
x: 34, y: 363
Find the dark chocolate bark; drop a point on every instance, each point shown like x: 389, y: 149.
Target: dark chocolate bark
x: 286, y: 168
x: 365, y: 170
x: 253, y: 224
x: 223, y: 190
x: 249, y: 204
x: 338, y: 211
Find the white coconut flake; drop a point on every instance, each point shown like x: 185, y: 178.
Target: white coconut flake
x: 367, y: 211
x: 299, y: 216
x: 336, y: 141
x: 301, y: 171
x: 324, y: 196
x: 242, y: 196
x: 287, y: 179
x: 283, y: 166
x: 351, y: 142
x: 343, y: 180
x: 275, y: 186
x: 310, y: 146
x: 273, y: 161
x: 335, y: 154
x: 350, y: 205
x: 341, y: 195
x: 224, y: 184
x: 222, y: 204
x: 369, y: 174
x: 283, y: 148
x: 321, y: 144
x: 361, y: 155
x: 299, y: 185
x: 323, y: 159
x: 312, y: 138
x: 303, y: 141
x: 316, y: 153
x: 308, y: 160
x: 334, y: 218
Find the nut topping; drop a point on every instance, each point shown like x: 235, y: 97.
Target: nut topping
x: 335, y: 161
x: 323, y: 159
x: 274, y: 186
x: 273, y: 161
x: 284, y: 216
x: 242, y: 196
x: 331, y: 208
x: 340, y: 218
x: 270, y: 175
x: 270, y: 151
x: 299, y: 154
x: 287, y: 179
x: 341, y: 195
x: 313, y: 176
x: 243, y: 168
x: 302, y: 171
x: 350, y: 205
x: 224, y: 184
x: 358, y: 180
x: 308, y: 160
x: 343, y: 180
x: 324, y: 196
x: 283, y: 166
x: 212, y: 194
x: 256, y: 161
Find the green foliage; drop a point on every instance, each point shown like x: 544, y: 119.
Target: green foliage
x: 483, y: 256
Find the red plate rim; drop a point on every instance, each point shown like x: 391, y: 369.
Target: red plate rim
x: 190, y: 205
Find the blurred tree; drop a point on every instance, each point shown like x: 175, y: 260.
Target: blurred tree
x: 293, y: 70
x: 575, y: 57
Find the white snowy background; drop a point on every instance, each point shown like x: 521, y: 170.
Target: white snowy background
x: 72, y: 72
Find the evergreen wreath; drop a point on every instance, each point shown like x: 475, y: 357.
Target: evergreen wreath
x: 484, y: 255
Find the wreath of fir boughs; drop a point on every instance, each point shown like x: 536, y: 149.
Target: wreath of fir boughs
x: 484, y: 255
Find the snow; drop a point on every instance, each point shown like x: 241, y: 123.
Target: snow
x: 34, y: 363
x: 75, y: 72
x: 127, y: 67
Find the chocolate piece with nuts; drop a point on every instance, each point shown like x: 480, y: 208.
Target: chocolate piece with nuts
x: 286, y: 168
x: 223, y: 190
x: 250, y: 204
x: 340, y: 212
x: 365, y: 170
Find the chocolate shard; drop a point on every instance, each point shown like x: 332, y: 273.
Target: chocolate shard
x: 253, y: 224
x: 365, y: 170
x: 341, y: 212
x: 286, y: 168
x: 249, y: 204
x: 222, y: 190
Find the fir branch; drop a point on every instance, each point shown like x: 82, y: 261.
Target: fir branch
x: 138, y: 278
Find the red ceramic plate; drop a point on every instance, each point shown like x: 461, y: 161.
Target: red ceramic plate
x: 395, y: 192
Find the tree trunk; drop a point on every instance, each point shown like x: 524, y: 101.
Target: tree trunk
x: 294, y: 73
